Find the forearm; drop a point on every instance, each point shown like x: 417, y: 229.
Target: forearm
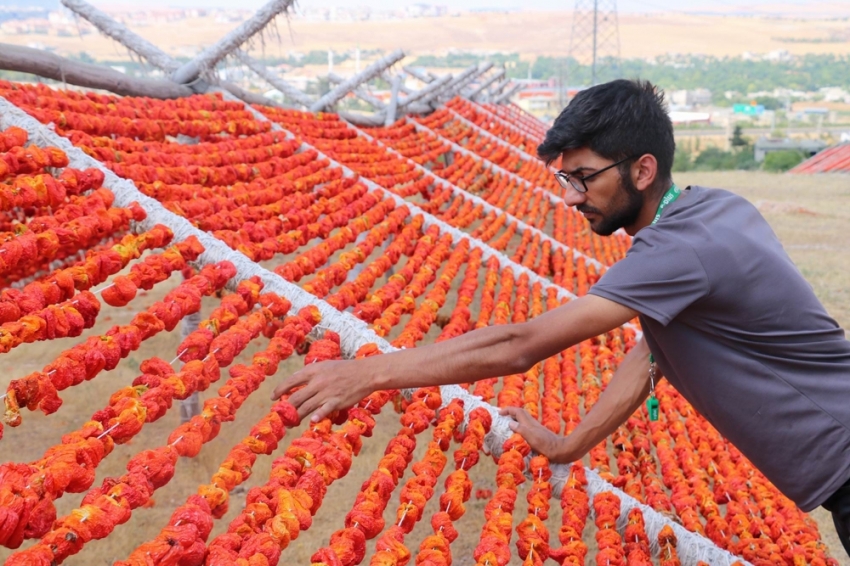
x: 482, y: 353
x: 498, y: 350
x: 628, y: 388
x: 489, y: 352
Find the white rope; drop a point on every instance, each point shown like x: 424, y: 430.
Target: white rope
x: 353, y: 332
x: 481, y: 131
x: 478, y: 107
x: 467, y: 196
x: 428, y: 219
x: 691, y: 547
x: 553, y: 198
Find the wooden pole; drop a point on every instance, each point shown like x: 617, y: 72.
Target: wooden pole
x: 476, y: 94
x: 246, y: 96
x: 210, y: 56
x: 376, y: 103
x: 336, y: 94
x: 500, y: 87
x: 404, y: 89
x: 365, y: 120
x: 457, y: 83
x: 273, y: 79
x: 419, y: 74
x: 51, y: 66
x: 482, y: 68
x: 393, y: 107
x: 431, y: 91
x: 119, y: 32
x: 496, y: 90
x: 504, y: 97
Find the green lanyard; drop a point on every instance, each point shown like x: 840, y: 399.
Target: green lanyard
x: 670, y: 196
x: 652, y: 403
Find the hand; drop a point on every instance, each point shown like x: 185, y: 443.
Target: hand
x: 541, y: 439
x: 328, y: 386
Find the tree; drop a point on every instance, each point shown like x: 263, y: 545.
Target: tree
x: 681, y: 160
x: 738, y: 139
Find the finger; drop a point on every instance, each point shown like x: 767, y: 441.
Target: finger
x: 513, y: 413
x: 508, y: 411
x: 523, y: 417
x: 288, y: 384
x: 301, y: 396
x: 310, y: 405
x: 323, y: 411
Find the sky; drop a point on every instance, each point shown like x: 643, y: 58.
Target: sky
x: 740, y: 6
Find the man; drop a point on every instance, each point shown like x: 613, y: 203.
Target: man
x: 729, y: 319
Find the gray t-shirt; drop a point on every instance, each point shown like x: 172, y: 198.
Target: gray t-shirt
x: 740, y: 334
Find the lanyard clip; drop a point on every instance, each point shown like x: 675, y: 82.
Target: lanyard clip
x: 652, y: 401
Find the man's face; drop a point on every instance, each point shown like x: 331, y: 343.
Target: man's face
x: 611, y: 201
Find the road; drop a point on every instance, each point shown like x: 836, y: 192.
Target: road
x: 714, y: 132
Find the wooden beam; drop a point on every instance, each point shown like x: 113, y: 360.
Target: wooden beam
x: 336, y: 94
x: 360, y: 93
x: 51, y: 66
x: 496, y: 90
x: 419, y: 74
x: 209, y: 57
x: 247, y: 96
x: 402, y: 89
x: 428, y: 93
x: 366, y: 120
x: 190, y: 71
x: 273, y: 79
x: 119, y: 32
x: 476, y: 94
x: 393, y: 107
x: 500, y: 87
x: 482, y: 68
x: 505, y: 96
x: 457, y: 82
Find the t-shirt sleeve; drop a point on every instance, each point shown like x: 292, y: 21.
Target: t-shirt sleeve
x: 660, y: 277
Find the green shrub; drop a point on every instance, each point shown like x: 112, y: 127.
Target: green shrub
x: 745, y: 160
x: 715, y: 159
x: 781, y: 161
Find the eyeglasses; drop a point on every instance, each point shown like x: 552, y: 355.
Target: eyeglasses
x: 578, y: 182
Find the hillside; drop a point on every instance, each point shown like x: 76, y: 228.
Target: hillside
x: 717, y: 35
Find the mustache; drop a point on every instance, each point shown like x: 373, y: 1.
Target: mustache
x: 583, y: 208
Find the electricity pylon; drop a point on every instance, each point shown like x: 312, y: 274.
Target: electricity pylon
x: 595, y: 37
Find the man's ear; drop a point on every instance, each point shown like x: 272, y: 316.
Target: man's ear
x: 644, y: 171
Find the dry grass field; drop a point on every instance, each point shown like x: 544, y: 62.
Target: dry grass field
x: 721, y: 34
x: 811, y: 215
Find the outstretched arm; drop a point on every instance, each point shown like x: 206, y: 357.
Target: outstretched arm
x: 488, y: 352
x: 627, y: 390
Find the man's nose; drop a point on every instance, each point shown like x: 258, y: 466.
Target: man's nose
x: 574, y: 198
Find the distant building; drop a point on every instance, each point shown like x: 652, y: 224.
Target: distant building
x: 679, y: 117
x: 763, y: 146
x: 690, y: 98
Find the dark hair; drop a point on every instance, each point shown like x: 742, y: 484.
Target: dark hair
x: 616, y: 120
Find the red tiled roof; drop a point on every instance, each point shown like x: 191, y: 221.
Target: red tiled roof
x: 835, y: 159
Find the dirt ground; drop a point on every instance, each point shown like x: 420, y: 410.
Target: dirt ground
x: 810, y: 215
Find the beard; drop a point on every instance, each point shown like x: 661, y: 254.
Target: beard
x: 624, y: 209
